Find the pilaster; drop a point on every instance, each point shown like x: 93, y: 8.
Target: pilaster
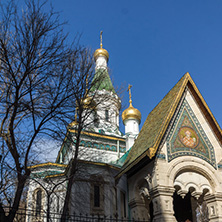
x: 162, y: 198
x: 214, y: 205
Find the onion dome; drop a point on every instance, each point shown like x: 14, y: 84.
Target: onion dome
x: 101, y: 51
x: 131, y: 112
x: 88, y: 103
x: 72, y: 124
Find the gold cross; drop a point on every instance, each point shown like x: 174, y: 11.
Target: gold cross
x: 129, y: 89
x: 101, y: 39
x: 87, y: 84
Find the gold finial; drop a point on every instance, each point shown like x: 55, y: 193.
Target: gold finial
x: 87, y: 83
x: 131, y: 112
x: 74, y: 123
x: 101, y: 51
x: 101, y: 39
x: 75, y: 114
x: 76, y: 111
x: 130, y: 95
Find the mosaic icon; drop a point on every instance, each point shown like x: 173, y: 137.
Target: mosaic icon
x: 188, y: 137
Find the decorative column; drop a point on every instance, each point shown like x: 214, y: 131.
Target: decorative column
x: 162, y: 198
x: 214, y: 205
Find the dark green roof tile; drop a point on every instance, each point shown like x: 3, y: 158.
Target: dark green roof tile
x: 154, y: 124
x: 102, y: 81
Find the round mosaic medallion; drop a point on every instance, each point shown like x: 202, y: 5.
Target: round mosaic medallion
x: 188, y: 137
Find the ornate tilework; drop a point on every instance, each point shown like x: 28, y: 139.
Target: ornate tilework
x: 101, y: 146
x: 161, y: 156
x: 187, y: 137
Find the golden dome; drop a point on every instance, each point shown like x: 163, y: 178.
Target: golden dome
x: 102, y: 52
x: 72, y: 124
x: 88, y: 103
x: 131, y: 113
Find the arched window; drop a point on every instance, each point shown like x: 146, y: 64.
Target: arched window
x: 38, y: 203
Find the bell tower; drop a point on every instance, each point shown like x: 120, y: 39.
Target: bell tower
x: 108, y: 103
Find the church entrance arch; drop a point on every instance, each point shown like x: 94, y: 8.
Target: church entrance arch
x: 182, y: 207
x: 188, y: 199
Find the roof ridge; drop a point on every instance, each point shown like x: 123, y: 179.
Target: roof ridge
x: 153, y: 115
x: 175, y: 103
x: 158, y: 120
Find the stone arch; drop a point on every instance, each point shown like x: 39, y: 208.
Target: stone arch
x: 193, y: 182
x: 140, y: 200
x: 193, y: 164
x: 192, y: 179
x: 142, y: 187
x: 139, y: 190
x: 136, y: 185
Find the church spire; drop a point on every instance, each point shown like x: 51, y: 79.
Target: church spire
x: 101, y: 55
x: 131, y: 112
x: 130, y: 96
x: 108, y: 103
x: 101, y: 39
x: 131, y: 118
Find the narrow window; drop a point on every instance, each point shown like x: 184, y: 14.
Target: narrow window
x: 95, y: 119
x: 58, y: 204
x: 107, y: 115
x: 96, y: 196
x: 38, y: 202
x: 123, y: 204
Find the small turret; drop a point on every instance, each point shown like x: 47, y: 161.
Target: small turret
x: 102, y: 95
x: 131, y: 118
x: 101, y: 56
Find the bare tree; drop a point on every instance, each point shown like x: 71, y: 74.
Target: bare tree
x: 42, y: 80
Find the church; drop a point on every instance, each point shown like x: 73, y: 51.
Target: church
x: 170, y: 170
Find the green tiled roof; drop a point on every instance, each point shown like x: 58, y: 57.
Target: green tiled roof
x: 121, y: 160
x: 45, y: 174
x: 102, y: 81
x: 155, y: 123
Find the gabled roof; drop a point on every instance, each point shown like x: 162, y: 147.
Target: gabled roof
x: 158, y: 120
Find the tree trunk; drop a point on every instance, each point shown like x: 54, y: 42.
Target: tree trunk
x: 18, y: 194
x: 2, y: 214
x: 71, y: 175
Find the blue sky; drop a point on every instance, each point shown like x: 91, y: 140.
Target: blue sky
x: 152, y: 43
